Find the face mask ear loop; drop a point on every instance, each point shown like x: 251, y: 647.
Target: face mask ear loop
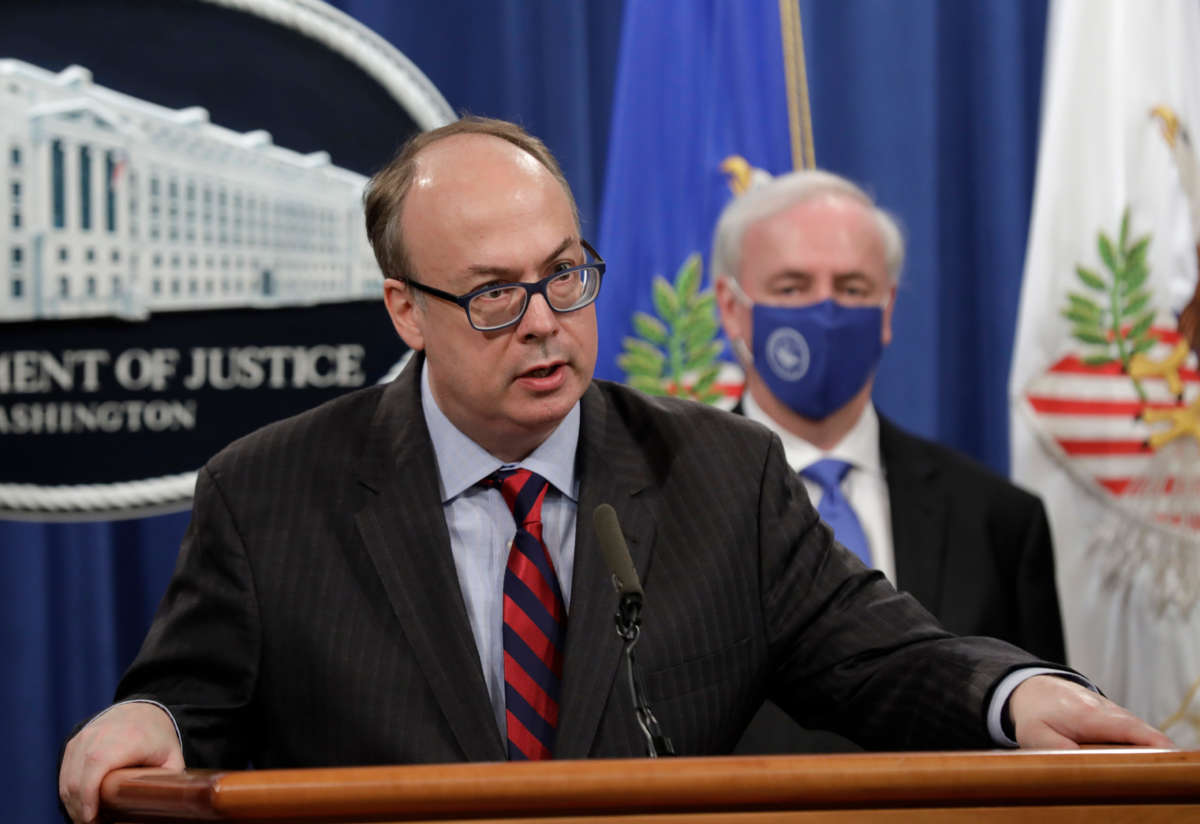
x: 742, y: 297
x: 740, y: 349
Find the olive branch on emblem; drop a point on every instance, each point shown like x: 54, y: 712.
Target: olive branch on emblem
x: 676, y: 352
x: 1115, y: 318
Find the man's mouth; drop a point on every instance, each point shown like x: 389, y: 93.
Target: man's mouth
x: 542, y: 371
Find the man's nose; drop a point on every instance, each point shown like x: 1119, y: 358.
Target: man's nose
x: 820, y: 292
x: 539, y: 318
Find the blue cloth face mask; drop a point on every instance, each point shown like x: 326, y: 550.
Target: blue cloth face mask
x: 815, y: 358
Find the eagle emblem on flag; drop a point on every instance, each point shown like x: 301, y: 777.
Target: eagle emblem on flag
x: 1121, y: 407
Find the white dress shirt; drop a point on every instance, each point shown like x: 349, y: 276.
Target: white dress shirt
x: 865, y: 484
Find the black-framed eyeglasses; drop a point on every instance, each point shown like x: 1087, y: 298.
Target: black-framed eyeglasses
x: 503, y: 304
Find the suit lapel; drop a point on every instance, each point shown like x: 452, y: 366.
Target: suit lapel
x: 404, y: 530
x: 918, y: 516
x: 615, y: 472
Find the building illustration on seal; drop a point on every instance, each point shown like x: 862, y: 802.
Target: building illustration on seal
x: 115, y: 206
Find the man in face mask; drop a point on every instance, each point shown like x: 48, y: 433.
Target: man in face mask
x: 806, y: 270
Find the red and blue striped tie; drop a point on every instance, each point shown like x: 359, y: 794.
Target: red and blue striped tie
x: 535, y: 621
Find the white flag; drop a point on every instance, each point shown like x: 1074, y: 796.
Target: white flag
x: 1105, y: 391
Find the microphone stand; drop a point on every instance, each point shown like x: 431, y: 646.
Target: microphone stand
x: 628, y: 620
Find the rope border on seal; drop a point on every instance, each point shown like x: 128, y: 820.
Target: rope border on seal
x: 122, y: 499
x: 373, y: 54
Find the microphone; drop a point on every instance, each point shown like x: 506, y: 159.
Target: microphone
x: 628, y: 619
x: 625, y: 577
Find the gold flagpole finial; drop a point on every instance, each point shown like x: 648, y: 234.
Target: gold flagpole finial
x: 1169, y: 122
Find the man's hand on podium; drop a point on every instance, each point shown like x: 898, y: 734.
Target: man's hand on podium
x: 1054, y: 713
x: 135, y: 734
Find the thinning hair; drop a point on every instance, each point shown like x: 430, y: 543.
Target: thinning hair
x: 778, y: 194
x: 384, y: 197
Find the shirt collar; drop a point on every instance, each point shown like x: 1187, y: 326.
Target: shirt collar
x: 462, y: 463
x: 860, y: 447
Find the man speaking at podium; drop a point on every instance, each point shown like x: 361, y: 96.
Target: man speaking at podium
x: 410, y: 574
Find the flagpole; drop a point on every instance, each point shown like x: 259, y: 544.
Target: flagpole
x: 799, y: 114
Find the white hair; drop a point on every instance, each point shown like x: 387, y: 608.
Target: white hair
x: 773, y: 196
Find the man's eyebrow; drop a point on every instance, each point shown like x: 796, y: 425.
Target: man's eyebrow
x: 790, y: 274
x: 513, y: 274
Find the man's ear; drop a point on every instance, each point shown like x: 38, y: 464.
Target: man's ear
x: 729, y: 308
x: 407, y: 317
x: 886, y: 332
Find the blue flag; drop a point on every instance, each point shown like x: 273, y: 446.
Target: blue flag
x: 698, y: 81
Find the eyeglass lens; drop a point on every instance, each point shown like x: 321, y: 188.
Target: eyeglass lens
x: 572, y: 289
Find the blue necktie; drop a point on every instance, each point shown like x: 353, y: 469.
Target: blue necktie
x: 834, y: 509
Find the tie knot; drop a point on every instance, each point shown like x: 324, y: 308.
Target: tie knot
x: 827, y: 473
x: 523, y: 491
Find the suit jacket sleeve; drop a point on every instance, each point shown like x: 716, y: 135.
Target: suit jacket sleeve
x: 850, y: 653
x: 200, y: 658
x: 314, y: 618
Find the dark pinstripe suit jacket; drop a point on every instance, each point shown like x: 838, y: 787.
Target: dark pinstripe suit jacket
x: 971, y: 547
x: 315, y: 615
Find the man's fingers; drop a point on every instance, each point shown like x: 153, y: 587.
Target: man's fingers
x: 1053, y: 712
x: 1097, y: 720
x: 1115, y: 725
x: 81, y: 805
x: 1157, y: 738
x: 127, y: 735
x: 175, y: 760
x: 1043, y: 737
x: 94, y: 767
x: 84, y: 767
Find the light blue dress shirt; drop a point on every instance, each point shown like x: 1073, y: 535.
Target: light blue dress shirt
x: 481, y: 526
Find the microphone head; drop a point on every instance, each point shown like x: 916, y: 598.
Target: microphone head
x: 615, y: 551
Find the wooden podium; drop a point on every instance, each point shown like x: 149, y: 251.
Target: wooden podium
x: 1092, y: 785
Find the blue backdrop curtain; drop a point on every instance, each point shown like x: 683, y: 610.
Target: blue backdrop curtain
x: 934, y: 108
x: 931, y: 105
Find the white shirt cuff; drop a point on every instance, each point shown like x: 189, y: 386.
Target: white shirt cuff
x: 1005, y: 689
